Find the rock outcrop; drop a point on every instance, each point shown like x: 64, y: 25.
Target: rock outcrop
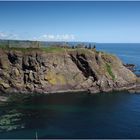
x: 71, y: 70
x: 130, y: 66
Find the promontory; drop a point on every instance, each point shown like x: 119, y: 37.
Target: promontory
x: 61, y: 70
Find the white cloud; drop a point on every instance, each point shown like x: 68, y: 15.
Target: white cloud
x: 58, y: 37
x: 45, y: 37
x: 5, y: 35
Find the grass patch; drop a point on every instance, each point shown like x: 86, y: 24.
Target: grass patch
x: 53, y: 49
x: 46, y: 49
x: 109, y: 70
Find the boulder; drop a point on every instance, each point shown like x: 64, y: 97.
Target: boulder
x: 5, y: 85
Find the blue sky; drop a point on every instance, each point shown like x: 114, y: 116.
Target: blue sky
x: 116, y: 22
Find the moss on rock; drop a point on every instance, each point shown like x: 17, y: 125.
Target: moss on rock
x: 109, y: 70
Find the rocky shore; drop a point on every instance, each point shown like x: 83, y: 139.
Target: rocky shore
x: 130, y: 66
x: 70, y: 70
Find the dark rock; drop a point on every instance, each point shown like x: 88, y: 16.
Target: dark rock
x: 130, y: 66
x: 138, y: 74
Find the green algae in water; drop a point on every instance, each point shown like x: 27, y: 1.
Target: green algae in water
x: 10, y: 120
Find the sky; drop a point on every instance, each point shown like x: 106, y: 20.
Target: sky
x: 92, y: 21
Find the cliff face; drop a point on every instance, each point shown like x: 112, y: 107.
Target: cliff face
x: 40, y: 71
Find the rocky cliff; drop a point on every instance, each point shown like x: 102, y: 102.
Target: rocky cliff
x: 71, y: 69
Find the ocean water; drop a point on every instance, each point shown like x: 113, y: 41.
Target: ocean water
x: 69, y: 115
x: 128, y: 53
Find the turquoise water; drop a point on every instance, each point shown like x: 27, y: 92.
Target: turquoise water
x: 110, y: 115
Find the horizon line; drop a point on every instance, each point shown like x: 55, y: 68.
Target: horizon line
x: 71, y: 41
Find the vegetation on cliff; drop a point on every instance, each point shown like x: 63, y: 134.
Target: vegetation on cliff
x: 109, y: 69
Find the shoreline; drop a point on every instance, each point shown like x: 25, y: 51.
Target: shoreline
x: 129, y: 89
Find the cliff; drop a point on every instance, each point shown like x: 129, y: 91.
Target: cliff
x: 37, y: 70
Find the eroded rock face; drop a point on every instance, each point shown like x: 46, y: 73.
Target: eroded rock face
x: 39, y: 71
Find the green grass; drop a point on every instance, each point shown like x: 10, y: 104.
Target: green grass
x: 59, y: 49
x: 3, y: 46
x: 109, y: 70
x: 48, y: 49
x: 53, y: 49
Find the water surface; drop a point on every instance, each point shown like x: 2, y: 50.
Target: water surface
x: 111, y: 115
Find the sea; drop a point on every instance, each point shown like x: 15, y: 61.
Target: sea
x: 76, y: 115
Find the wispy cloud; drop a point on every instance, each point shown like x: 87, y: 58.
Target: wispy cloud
x: 6, y: 35
x: 58, y: 37
x: 44, y: 37
x: 3, y: 35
